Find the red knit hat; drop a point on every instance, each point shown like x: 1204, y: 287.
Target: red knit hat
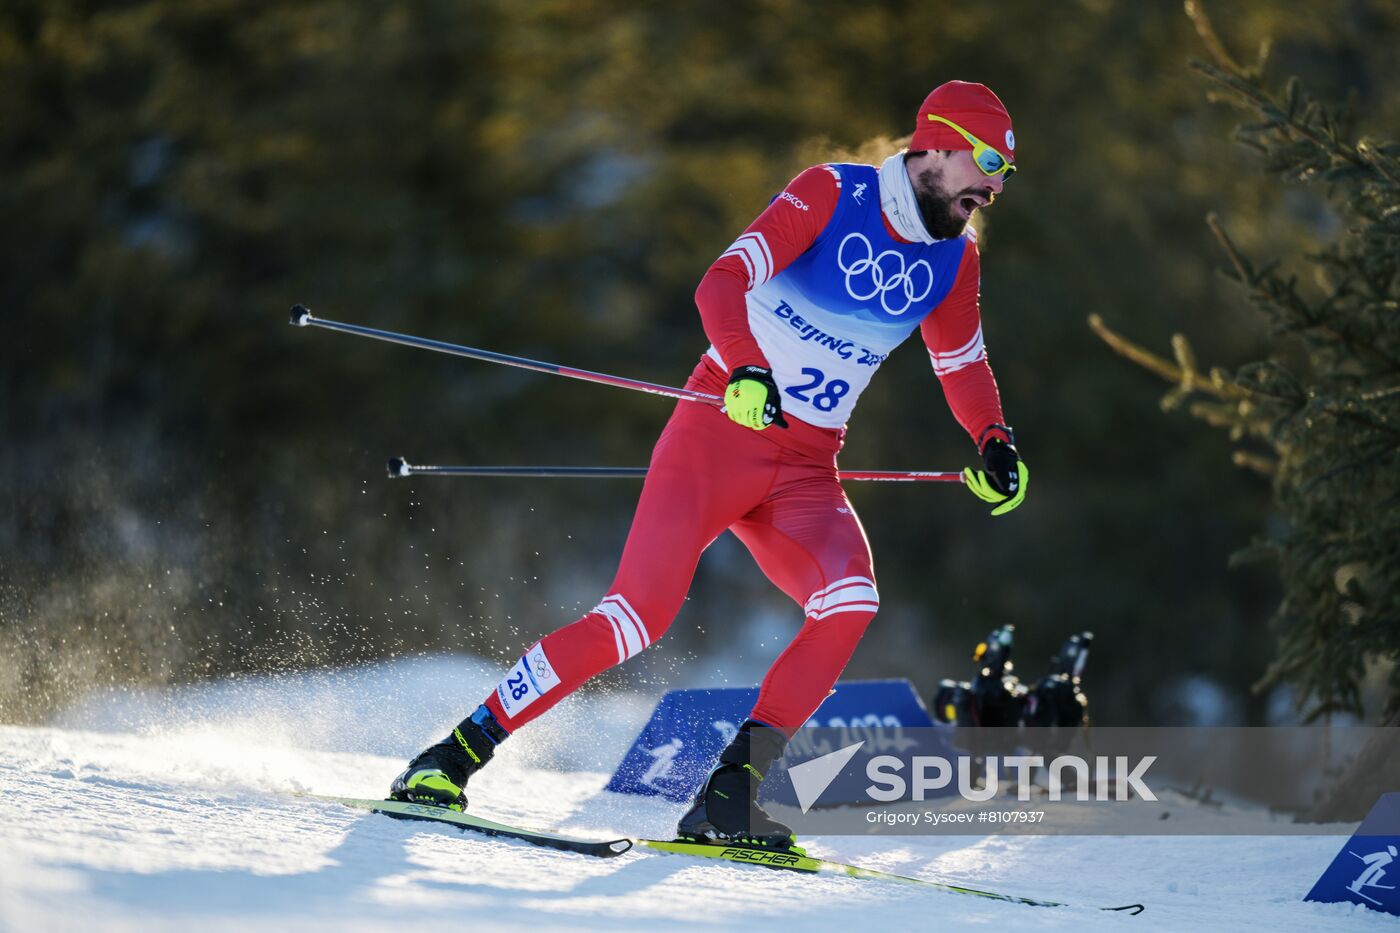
x: 971, y: 106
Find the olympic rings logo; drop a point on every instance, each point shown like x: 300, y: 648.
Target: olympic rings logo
x: 878, y: 275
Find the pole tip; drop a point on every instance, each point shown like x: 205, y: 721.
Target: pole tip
x: 300, y: 315
x: 398, y: 468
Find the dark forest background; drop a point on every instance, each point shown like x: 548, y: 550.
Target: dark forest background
x: 189, y: 487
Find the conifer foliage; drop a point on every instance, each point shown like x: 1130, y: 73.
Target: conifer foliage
x: 1323, y: 406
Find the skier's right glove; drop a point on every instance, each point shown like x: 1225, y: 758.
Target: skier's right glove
x: 752, y: 399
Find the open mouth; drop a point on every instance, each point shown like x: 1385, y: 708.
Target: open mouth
x: 968, y: 205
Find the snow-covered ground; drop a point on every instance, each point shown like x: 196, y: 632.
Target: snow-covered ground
x: 177, y: 811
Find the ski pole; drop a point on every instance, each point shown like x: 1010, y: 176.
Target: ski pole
x: 301, y: 317
x: 399, y: 468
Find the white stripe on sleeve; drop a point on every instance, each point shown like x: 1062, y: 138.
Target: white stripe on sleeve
x: 954, y: 360
x: 744, y: 257
x: 752, y: 248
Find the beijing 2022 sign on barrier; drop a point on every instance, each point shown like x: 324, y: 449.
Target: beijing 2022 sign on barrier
x: 689, y: 728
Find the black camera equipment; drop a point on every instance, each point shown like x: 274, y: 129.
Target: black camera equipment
x: 996, y: 697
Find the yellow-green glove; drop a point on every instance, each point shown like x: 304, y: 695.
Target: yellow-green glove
x: 752, y: 399
x: 1003, y: 479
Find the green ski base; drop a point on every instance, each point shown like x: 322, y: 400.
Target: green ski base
x: 796, y: 859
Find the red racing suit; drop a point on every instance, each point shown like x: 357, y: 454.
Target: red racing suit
x: 777, y: 490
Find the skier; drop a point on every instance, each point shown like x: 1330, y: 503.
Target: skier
x: 843, y: 265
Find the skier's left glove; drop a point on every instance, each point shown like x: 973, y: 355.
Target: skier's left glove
x: 1004, y: 477
x: 752, y: 399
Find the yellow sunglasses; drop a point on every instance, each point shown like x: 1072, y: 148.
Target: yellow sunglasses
x: 988, y: 159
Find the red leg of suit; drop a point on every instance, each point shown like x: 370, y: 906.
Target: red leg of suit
x: 705, y: 473
x: 708, y: 474
x: 808, y: 541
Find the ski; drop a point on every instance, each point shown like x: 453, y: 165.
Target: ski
x: 401, y: 810
x: 796, y: 859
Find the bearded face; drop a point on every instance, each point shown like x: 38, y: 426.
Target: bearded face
x: 945, y: 212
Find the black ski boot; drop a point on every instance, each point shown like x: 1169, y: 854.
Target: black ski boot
x: 726, y: 810
x: 438, y: 775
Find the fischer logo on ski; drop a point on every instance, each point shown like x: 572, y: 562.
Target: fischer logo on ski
x: 763, y: 857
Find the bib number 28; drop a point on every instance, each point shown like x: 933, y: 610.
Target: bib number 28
x: 824, y: 400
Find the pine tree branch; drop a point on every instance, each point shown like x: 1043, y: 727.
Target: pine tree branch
x: 1210, y: 39
x: 1361, y: 418
x: 1242, y: 267
x: 1366, y: 458
x: 1334, y: 448
x: 1379, y: 394
x: 1126, y: 348
x: 1258, y: 464
x: 1269, y: 289
x: 1377, y: 160
x: 1282, y: 117
x: 1184, y: 374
